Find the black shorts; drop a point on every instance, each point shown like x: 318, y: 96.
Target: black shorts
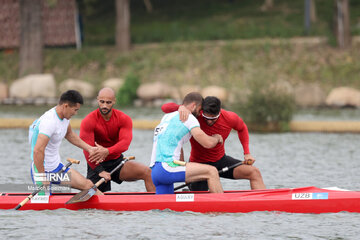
x: 108, y: 166
x: 225, y: 161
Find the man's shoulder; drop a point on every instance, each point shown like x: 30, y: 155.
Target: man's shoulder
x: 168, y: 117
x: 172, y: 114
x: 120, y: 114
x: 192, y: 121
x: 49, y: 117
x: 231, y: 119
x: 192, y: 118
x: 121, y: 118
x: 229, y: 114
x: 48, y: 114
x: 50, y: 121
x: 223, y: 111
x: 90, y: 120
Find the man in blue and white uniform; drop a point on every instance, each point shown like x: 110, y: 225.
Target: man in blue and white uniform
x: 46, y: 135
x: 169, y: 137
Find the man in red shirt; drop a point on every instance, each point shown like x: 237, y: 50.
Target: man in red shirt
x: 111, y: 131
x: 214, y: 120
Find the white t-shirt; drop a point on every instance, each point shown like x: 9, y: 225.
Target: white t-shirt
x: 169, y: 137
x: 50, y: 125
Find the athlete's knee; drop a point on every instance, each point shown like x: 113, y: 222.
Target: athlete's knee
x: 213, y: 172
x: 255, y: 173
x: 146, y: 173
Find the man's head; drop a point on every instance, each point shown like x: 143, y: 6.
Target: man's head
x: 193, y: 101
x: 106, y: 100
x: 71, y: 101
x: 72, y: 97
x: 211, y: 109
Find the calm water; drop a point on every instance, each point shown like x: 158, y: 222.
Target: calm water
x: 286, y: 160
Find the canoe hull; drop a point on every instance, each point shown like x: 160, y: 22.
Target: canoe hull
x: 298, y: 200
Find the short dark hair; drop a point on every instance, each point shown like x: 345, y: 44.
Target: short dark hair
x: 193, y: 97
x: 72, y: 97
x: 211, y: 105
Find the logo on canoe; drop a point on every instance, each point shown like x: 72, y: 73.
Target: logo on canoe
x: 185, y: 197
x: 306, y: 196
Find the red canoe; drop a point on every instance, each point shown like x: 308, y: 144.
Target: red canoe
x: 297, y: 200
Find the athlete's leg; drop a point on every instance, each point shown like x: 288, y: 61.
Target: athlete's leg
x: 132, y: 171
x: 252, y: 173
x: 78, y: 181
x: 198, y: 171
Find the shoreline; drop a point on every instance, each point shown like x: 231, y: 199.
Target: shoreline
x: 294, y: 126
x: 75, y: 123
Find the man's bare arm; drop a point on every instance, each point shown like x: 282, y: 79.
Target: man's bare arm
x: 205, y: 140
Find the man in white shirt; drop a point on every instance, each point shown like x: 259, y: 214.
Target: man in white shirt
x: 46, y: 135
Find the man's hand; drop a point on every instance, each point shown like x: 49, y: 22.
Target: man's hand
x: 92, y: 150
x: 106, y: 175
x: 98, y: 154
x: 184, y: 113
x: 248, y: 159
x: 219, y: 138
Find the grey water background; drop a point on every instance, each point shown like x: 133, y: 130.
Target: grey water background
x: 285, y: 159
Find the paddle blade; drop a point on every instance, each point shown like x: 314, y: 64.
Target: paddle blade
x: 82, y: 196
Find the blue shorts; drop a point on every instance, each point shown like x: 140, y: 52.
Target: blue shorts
x: 164, y: 175
x: 33, y: 172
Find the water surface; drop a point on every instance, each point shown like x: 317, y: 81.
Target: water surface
x: 286, y: 160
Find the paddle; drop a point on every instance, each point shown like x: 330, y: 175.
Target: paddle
x: 225, y: 169
x: 86, y: 194
x: 70, y: 161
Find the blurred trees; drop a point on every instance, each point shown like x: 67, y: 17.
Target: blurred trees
x: 31, y: 37
x: 122, y: 33
x: 148, y: 5
x: 310, y: 14
x: 342, y: 23
x: 31, y: 45
x: 313, y: 11
x: 99, y: 15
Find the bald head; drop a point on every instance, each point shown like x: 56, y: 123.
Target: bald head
x: 107, y: 93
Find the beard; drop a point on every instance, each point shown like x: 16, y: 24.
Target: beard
x: 105, y: 111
